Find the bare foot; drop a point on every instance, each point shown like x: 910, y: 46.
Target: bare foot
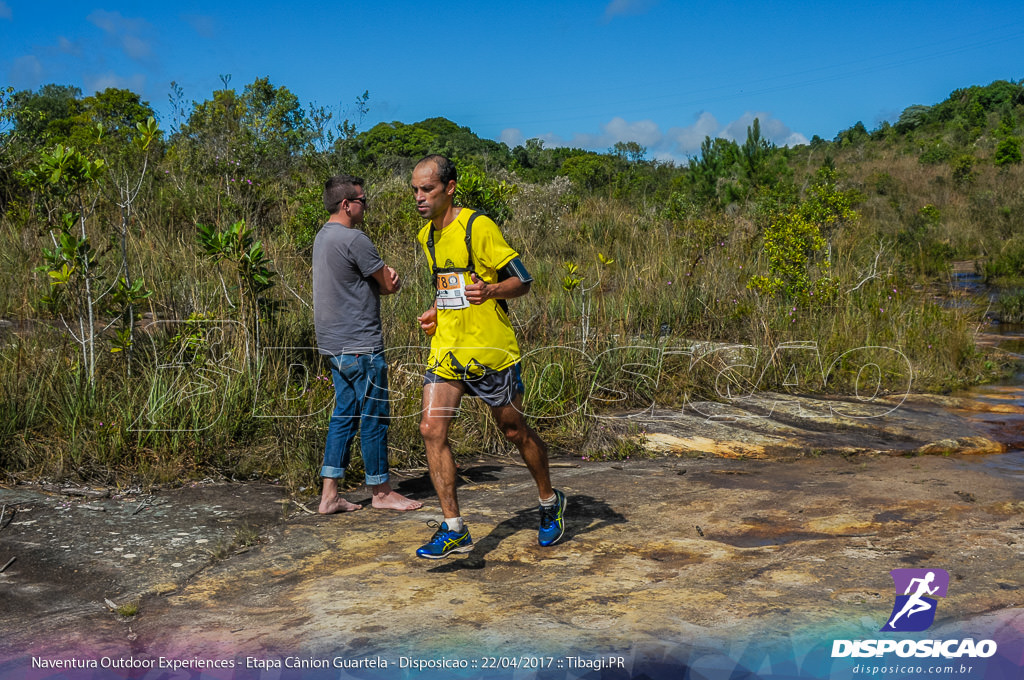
x: 386, y: 498
x: 329, y: 506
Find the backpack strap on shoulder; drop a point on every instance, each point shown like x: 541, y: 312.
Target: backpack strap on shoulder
x: 469, y: 239
x: 469, y: 253
x: 469, y: 247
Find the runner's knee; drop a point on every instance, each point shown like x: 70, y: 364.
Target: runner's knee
x: 431, y: 430
x: 514, y: 432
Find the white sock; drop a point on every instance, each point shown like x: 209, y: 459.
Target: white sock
x: 549, y: 502
x: 454, y: 523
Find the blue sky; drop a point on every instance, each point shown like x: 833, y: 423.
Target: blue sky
x: 588, y: 74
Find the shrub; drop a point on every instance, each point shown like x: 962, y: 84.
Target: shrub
x: 939, y: 152
x: 1011, y: 306
x: 308, y: 216
x: 963, y: 171
x: 476, y: 190
x: 1008, y: 151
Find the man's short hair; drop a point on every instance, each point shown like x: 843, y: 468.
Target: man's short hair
x: 338, y: 189
x: 446, y: 171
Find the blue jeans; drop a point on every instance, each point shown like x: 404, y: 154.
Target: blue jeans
x: 361, y: 405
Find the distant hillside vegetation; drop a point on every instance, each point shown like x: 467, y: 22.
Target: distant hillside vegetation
x: 157, y: 306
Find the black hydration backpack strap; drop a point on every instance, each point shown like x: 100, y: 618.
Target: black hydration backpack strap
x: 469, y: 240
x: 469, y: 249
x: 469, y: 255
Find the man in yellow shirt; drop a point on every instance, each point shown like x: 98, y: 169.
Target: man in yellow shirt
x: 473, y: 349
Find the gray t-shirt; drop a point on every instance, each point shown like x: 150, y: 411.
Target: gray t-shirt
x: 346, y: 301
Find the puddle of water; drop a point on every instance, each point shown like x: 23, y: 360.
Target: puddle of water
x: 971, y: 283
x: 1003, y: 427
x: 1010, y: 463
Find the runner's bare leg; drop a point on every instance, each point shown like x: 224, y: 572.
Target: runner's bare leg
x: 440, y: 404
x: 531, y: 447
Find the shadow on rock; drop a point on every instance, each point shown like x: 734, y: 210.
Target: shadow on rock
x: 420, y: 487
x: 583, y: 514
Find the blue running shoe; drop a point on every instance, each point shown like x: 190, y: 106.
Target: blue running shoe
x: 445, y: 542
x: 552, y: 521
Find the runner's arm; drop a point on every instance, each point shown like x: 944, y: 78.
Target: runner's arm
x: 513, y: 281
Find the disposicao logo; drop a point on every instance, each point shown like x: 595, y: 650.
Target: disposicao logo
x: 914, y: 609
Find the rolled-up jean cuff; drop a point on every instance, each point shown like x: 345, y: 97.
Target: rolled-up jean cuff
x: 328, y: 472
x: 332, y: 472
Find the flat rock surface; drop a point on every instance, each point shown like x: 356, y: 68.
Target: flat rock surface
x: 731, y: 531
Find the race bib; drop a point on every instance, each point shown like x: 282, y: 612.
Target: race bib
x: 451, y: 291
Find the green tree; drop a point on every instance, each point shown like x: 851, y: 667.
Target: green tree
x: 117, y: 111
x: 65, y: 180
x: 790, y: 241
x: 274, y: 124
x: 1007, y: 151
x: 795, y: 243
x: 48, y: 113
x: 535, y: 163
x: 588, y: 172
x: 853, y: 136
x: 825, y: 205
x: 386, y: 142
x: 333, y: 146
x: 127, y: 172
x: 963, y: 171
x: 252, y: 268
x: 712, y: 169
x: 726, y: 172
x: 262, y: 130
x: 761, y: 164
x: 457, y: 141
x: 912, y: 118
x: 475, y: 190
x: 9, y: 139
x: 631, y: 152
x: 214, y: 127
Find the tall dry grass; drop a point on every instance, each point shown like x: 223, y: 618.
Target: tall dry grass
x: 661, y: 315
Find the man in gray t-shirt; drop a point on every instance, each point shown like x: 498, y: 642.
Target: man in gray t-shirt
x: 348, y: 279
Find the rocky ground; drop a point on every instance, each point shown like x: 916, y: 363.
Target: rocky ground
x: 776, y: 518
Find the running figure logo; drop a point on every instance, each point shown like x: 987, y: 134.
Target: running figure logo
x: 914, y: 610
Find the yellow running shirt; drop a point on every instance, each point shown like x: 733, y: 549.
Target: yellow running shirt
x: 470, y: 340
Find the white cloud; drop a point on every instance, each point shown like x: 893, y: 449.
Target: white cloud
x: 512, y: 136
x: 201, y: 23
x: 772, y: 129
x: 677, y: 143
x: 643, y: 132
x: 135, y: 47
x: 66, y: 46
x: 664, y: 157
x: 27, y: 72
x: 686, y: 141
x: 127, y: 33
x: 100, y: 82
x: 795, y: 139
x: 621, y: 7
x: 5, y: 11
